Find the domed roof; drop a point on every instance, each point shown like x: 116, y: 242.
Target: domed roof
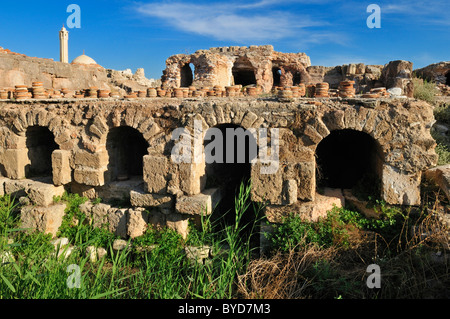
x: 84, y: 59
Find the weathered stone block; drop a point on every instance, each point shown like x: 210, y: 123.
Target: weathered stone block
x: 399, y: 188
x: 89, y: 176
x: 43, y: 219
x: 83, y: 190
x: 117, y: 221
x: 16, y: 188
x: 267, y: 187
x: 290, y: 192
x: 62, y: 172
x: 310, y: 211
x: 179, y: 224
x: 95, y: 160
x: 99, y: 214
x: 200, y: 204
x: 141, y: 199
x: 155, y: 173
x: 41, y: 194
x: 441, y: 176
x: 2, y: 185
x: 192, y: 177
x: 14, y: 162
x: 137, y: 222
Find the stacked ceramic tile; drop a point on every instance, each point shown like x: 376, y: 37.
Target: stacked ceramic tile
x: 347, y: 89
x: 321, y: 90
x: 21, y: 92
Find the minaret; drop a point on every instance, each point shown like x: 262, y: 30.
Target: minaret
x: 64, y: 45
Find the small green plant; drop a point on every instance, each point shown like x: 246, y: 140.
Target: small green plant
x: 424, y: 90
x: 76, y: 227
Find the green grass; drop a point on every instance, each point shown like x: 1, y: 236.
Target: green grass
x: 313, y: 260
x: 424, y: 90
x: 155, y: 267
x: 336, y: 229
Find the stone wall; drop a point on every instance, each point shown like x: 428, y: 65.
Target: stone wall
x: 18, y: 69
x: 269, y: 68
x: 173, y: 193
x: 215, y: 66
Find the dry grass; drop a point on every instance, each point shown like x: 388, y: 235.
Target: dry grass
x: 415, y: 264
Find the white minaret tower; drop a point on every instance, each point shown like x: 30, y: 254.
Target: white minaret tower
x: 64, y: 45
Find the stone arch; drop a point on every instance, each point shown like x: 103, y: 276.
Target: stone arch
x: 347, y: 158
x: 244, y: 73
x: 126, y: 147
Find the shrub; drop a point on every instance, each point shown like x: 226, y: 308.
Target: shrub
x: 424, y: 90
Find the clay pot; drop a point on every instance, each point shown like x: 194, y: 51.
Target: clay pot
x: 161, y: 93
x: 151, y: 92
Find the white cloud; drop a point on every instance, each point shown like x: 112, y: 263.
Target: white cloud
x: 231, y: 22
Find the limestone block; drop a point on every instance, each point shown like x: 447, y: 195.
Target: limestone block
x: 267, y: 187
x: 99, y: 214
x: 155, y: 172
x: 200, y: 204
x: 2, y: 185
x: 14, y: 162
x: 441, y: 176
x: 83, y: 190
x: 117, y: 221
x: 192, y: 177
x: 137, y: 222
x: 95, y: 160
x: 43, y: 219
x: 156, y: 219
x: 399, y: 188
x: 86, y: 208
x: 62, y: 172
x: 310, y: 211
x: 141, y: 199
x: 95, y: 253
x: 42, y: 194
x: 290, y: 192
x: 89, y: 176
x: 16, y: 188
x: 248, y: 120
x: 179, y: 224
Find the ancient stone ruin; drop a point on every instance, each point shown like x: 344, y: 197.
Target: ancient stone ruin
x: 120, y: 148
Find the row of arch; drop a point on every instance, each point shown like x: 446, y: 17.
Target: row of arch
x: 344, y: 158
x: 243, y: 74
x: 125, y: 145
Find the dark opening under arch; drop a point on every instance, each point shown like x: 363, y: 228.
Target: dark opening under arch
x: 187, y: 75
x: 349, y: 159
x: 243, y: 72
x: 447, y: 80
x: 40, y: 143
x: 228, y: 165
x: 297, y: 78
x: 126, y: 148
x: 276, y: 76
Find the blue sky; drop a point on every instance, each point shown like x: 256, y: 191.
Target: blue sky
x: 134, y: 34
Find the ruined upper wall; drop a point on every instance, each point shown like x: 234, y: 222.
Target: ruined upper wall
x: 263, y: 67
x: 217, y: 65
